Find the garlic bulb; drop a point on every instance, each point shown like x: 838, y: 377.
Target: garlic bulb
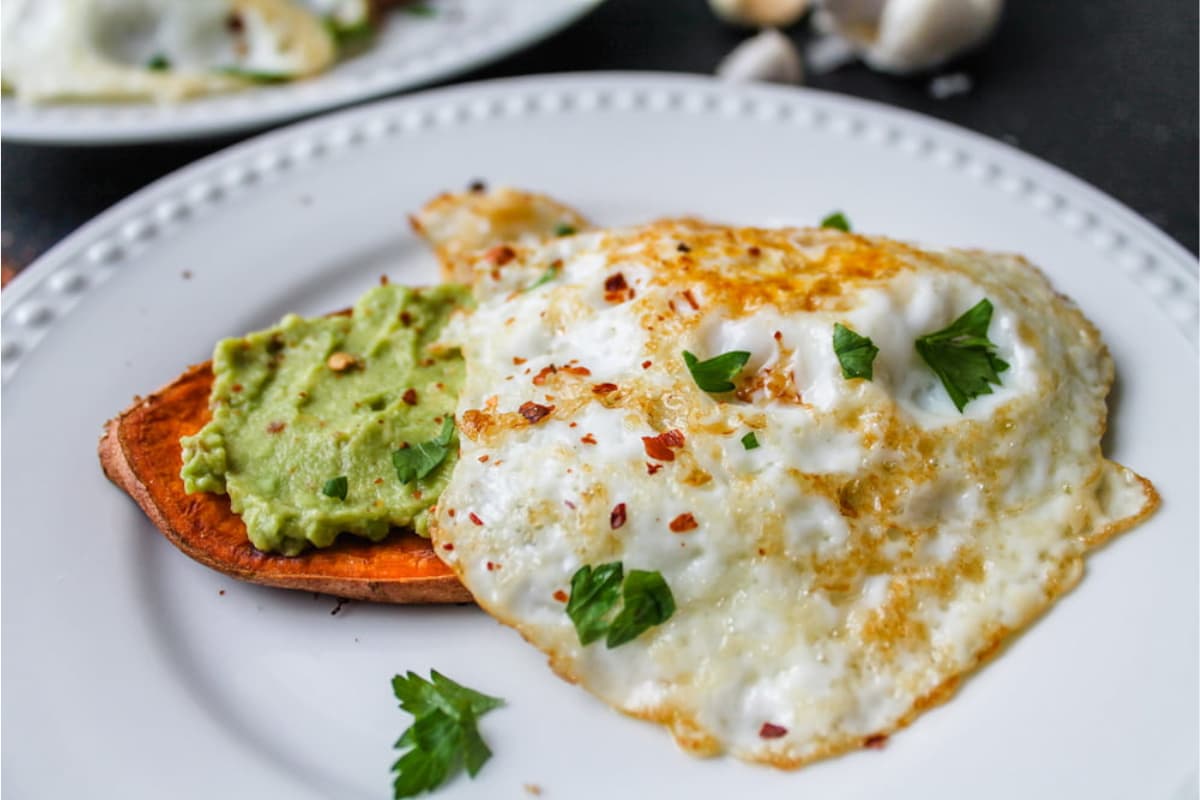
x: 905, y: 36
x: 769, y: 56
x: 760, y: 13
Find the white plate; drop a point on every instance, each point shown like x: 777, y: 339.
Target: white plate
x: 126, y: 668
x: 409, y: 51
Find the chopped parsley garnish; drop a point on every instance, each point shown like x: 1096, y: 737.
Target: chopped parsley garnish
x: 550, y: 274
x: 646, y: 601
x: 963, y: 357
x: 349, y: 35
x: 717, y: 373
x: 594, y: 591
x: 855, y: 353
x: 750, y: 441
x: 158, y: 63
x: 256, y: 76
x: 836, y: 220
x: 418, y: 9
x: 336, y: 487
x: 564, y: 230
x: 443, y: 734
x: 414, y: 463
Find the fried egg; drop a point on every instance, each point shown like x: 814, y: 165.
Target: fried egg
x: 840, y: 577
x: 159, y: 50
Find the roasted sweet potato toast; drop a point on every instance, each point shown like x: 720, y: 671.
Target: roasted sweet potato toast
x: 140, y: 453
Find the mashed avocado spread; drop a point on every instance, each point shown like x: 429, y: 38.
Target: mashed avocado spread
x: 307, y: 417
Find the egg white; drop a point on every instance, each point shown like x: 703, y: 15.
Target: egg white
x: 840, y: 577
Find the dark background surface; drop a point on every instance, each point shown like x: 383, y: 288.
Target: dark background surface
x: 1105, y: 89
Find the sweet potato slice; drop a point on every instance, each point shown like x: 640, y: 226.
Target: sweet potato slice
x: 140, y: 453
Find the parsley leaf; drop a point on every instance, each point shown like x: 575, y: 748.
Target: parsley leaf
x: 564, y: 229
x: 550, y: 274
x: 594, y: 592
x: 836, y: 220
x: 717, y: 373
x: 158, y: 63
x: 443, y: 732
x: 855, y: 353
x: 963, y: 357
x: 256, y: 75
x: 414, y: 463
x: 336, y: 487
x: 750, y: 441
x: 648, y: 602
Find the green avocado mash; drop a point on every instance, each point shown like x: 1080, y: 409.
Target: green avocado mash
x: 307, y: 417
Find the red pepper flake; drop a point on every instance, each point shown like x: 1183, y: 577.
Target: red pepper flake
x: 477, y: 187
x: 475, y: 518
x: 533, y: 412
x: 617, y: 518
x: 560, y: 596
x: 383, y: 280
x: 754, y: 252
x: 518, y: 361
x: 410, y: 397
x: 661, y: 447
x: 378, y: 481
x: 450, y: 513
x: 683, y: 248
x: 540, y: 378
x: 483, y: 458
x: 405, y: 318
x: 582, y: 372
x: 616, y: 290
x: 684, y: 523
x: 652, y: 468
x: 769, y: 731
x: 276, y: 427
x: 588, y: 439
x: 573, y: 425
x: 568, y: 503
x: 646, y: 364
x: 500, y: 255
x: 876, y: 742
x: 691, y: 298
x: 604, y: 388
x: 492, y: 566
x: 447, y: 546
x: 779, y: 336
x: 237, y: 387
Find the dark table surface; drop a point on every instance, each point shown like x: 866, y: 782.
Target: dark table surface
x: 1105, y: 89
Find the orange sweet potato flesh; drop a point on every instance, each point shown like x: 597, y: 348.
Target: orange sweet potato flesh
x: 140, y: 453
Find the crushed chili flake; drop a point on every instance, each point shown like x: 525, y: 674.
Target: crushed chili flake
x: 769, y: 731
x: 383, y: 280
x: 779, y: 336
x: 683, y: 523
x: 410, y: 397
x: 476, y: 187
x: 447, y: 546
x: 615, y: 283
x: 475, y: 518
x: 582, y: 372
x: 691, y: 298
x: 500, y: 255
x: 276, y: 427
x: 518, y: 361
x: 533, y: 412
x: 683, y: 248
x: 450, y: 513
x: 617, y: 518
x: 646, y: 364
x: 405, y: 318
x: 573, y: 425
x: 876, y: 742
x: 492, y: 566
x: 755, y: 252
x: 560, y: 596
x: 604, y: 388
x: 652, y: 468
x: 588, y: 439
x: 546, y: 371
x: 483, y: 458
x: 378, y: 481
x: 661, y: 447
x: 237, y: 387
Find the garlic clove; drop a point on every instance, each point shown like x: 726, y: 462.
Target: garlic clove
x: 769, y: 56
x: 760, y: 13
x: 906, y: 36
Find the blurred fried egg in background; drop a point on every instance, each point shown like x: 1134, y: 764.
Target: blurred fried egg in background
x: 169, y: 50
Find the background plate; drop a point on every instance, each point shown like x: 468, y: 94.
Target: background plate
x: 130, y: 667
x: 409, y: 51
